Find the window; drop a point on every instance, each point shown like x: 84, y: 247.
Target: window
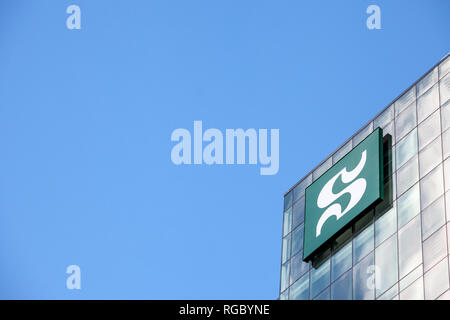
x: 427, y: 103
x: 434, y: 248
x: 300, y: 289
x: 360, y: 136
x: 414, y: 291
x: 445, y: 89
x: 299, y: 190
x: 430, y: 156
x: 436, y: 280
x: 286, y: 248
x: 429, y: 130
x: 363, y: 244
x: 445, y: 116
x: 385, y: 226
x: 431, y: 186
x: 298, y: 267
x: 321, y: 170
x: 427, y: 82
x: 284, y: 276
x: 361, y: 279
x: 287, y: 221
x: 298, y: 212
x: 384, y: 118
x: 408, y: 205
x: 342, y: 288
x: 409, y: 247
x: 406, y: 121
x: 406, y: 148
x: 297, y: 239
x: 341, y: 261
x: 320, y: 278
x: 387, y: 267
x: 405, y: 100
x: 433, y: 217
x: 338, y: 155
x: 407, y: 175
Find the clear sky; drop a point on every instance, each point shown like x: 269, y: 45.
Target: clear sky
x: 86, y: 116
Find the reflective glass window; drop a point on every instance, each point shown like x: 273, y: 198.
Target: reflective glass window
x: 384, y: 118
x: 444, y: 89
x: 298, y: 267
x: 427, y: 103
x: 429, y: 130
x: 286, y: 248
x: 407, y: 175
x: 364, y: 279
x: 362, y: 134
x: 297, y: 239
x: 363, y: 243
x: 433, y: 217
x: 341, y: 261
x: 385, y: 226
x: 406, y: 148
x: 287, y: 221
x: 427, y: 82
x: 341, y: 289
x: 414, y: 291
x: 386, y: 265
x: 430, y: 156
x: 436, y: 280
x: 434, y: 248
x: 300, y: 289
x: 320, y: 278
x: 405, y: 100
x: 406, y: 121
x: 409, y: 247
x: 408, y: 205
x: 431, y: 186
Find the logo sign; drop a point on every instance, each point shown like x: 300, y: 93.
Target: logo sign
x: 348, y: 188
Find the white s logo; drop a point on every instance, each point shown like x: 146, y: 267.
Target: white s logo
x: 356, y: 191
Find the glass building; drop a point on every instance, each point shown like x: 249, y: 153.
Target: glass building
x: 398, y: 248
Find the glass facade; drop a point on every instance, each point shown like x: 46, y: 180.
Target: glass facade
x: 399, y: 248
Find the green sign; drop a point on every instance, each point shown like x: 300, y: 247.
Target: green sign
x: 348, y: 188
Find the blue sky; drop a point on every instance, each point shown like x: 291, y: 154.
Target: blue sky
x: 86, y: 117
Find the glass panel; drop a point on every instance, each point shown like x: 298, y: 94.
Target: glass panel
x: 407, y: 175
x: 384, y: 118
x: 429, y: 130
x: 447, y: 205
x: 427, y: 103
x: 433, y: 217
x: 431, y: 186
x: 363, y: 243
x: 390, y: 294
x: 300, y: 289
x: 446, y: 144
x: 445, y: 116
x: 321, y: 170
x: 342, y: 151
x: 297, y: 239
x: 324, y: 295
x: 409, y: 247
x: 284, y: 295
x: 445, y: 89
x: 414, y: 291
x: 287, y: 200
x: 284, y: 276
x: 364, y: 279
x: 408, y: 205
x: 287, y: 221
x: 299, y: 190
x: 406, y: 148
x: 411, y: 277
x: 389, y: 129
x: 363, y: 134
x: 298, y: 267
x: 444, y: 296
x: 341, y: 261
x: 444, y: 67
x: 436, y: 280
x: 405, y: 100
x: 342, y: 288
x: 385, y: 226
x: 286, y: 249
x: 434, y: 248
x: 320, y: 278
x: 427, y: 82
x: 447, y: 174
x: 298, y: 212
x: 406, y: 121
x: 430, y: 156
x: 386, y: 265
